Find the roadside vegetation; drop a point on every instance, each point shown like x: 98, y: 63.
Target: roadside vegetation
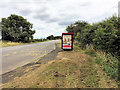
x: 106, y: 61
x: 5, y: 43
x: 102, y: 41
x: 71, y: 69
x: 9, y: 43
x: 104, y: 35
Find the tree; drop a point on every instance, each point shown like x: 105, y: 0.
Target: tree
x: 51, y: 37
x: 78, y: 26
x: 57, y: 37
x: 16, y: 28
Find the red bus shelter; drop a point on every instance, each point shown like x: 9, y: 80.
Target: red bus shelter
x: 67, y: 41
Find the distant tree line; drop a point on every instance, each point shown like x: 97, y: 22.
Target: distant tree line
x: 104, y: 35
x: 39, y: 40
x: 16, y: 28
x: 51, y: 37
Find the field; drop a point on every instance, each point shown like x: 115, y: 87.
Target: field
x: 9, y: 43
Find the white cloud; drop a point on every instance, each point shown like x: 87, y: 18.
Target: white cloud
x: 52, y: 16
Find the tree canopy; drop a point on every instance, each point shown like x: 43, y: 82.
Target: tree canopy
x: 78, y: 26
x: 103, y: 35
x: 16, y: 28
x: 51, y: 37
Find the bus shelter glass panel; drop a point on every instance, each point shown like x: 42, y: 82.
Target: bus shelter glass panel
x: 67, y: 41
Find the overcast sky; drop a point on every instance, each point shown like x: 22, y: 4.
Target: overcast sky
x: 50, y: 17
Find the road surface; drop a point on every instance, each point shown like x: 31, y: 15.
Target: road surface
x: 16, y: 56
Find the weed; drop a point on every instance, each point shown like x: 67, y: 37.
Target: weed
x: 90, y: 50
x: 90, y: 60
x: 99, y: 60
x: 109, y: 64
x: 90, y: 53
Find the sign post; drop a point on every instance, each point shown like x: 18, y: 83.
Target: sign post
x: 67, y: 41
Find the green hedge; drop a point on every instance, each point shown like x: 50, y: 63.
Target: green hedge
x: 104, y: 35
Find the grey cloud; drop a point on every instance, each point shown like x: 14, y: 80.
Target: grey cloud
x: 14, y: 6
x: 42, y: 16
x: 65, y: 23
x: 46, y: 17
x: 61, y: 20
x: 6, y: 4
x: 51, y: 20
x: 69, y: 19
x: 40, y: 12
x: 26, y: 12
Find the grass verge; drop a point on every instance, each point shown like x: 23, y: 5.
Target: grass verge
x: 69, y: 70
x: 107, y: 61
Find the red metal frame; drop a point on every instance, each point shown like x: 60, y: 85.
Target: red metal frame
x: 62, y: 39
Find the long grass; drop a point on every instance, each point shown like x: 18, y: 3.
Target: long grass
x: 4, y: 43
x: 9, y: 43
x: 108, y: 62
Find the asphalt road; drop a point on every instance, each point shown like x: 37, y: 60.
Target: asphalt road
x: 16, y: 56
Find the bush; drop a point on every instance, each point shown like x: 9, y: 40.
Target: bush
x: 103, y: 35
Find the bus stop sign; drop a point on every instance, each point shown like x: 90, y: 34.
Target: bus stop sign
x: 67, y: 41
